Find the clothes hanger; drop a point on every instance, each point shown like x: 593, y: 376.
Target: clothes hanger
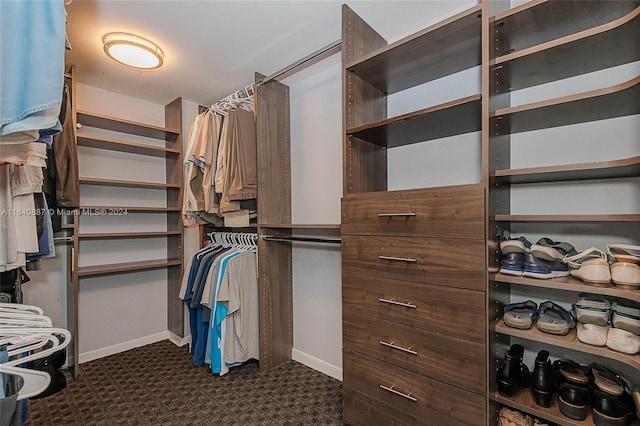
x: 34, y: 382
x: 11, y: 307
x: 39, y: 331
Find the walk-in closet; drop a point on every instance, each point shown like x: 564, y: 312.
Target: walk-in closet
x: 320, y: 213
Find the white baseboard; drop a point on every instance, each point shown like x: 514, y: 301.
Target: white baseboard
x: 179, y: 341
x: 317, y: 364
x: 124, y: 346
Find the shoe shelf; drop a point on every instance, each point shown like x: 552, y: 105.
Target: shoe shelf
x: 450, y: 46
x: 568, y: 341
x: 127, y: 183
x: 627, y: 167
x: 124, y: 146
x: 568, y: 284
x: 567, y: 218
x: 546, y: 62
x: 600, y: 104
x: 523, y: 401
x: 424, y: 125
x: 117, y: 268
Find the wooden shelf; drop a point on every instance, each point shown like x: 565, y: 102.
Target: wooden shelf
x: 569, y: 341
x: 568, y: 284
x: 628, y: 167
x: 616, y: 101
x: 449, y: 119
x: 445, y: 48
x: 587, y: 51
x: 123, y: 146
x: 133, y: 209
x: 523, y: 401
x: 568, y: 218
x: 125, y: 126
x: 116, y: 235
x: 300, y: 226
x: 126, y: 183
x: 538, y: 22
x: 117, y: 268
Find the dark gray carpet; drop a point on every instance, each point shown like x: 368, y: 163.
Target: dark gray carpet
x: 158, y: 385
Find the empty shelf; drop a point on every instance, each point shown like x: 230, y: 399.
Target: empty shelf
x: 125, y: 126
x: 116, y: 268
x: 123, y: 146
x: 568, y: 218
x: 126, y: 183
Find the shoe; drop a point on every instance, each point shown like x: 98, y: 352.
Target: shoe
x: 590, y: 266
x: 520, y: 315
x: 516, y: 245
x: 626, y: 253
x: 626, y: 275
x: 547, y: 249
x: 623, y: 341
x: 554, y: 319
x: 543, y: 383
x: 592, y: 334
x: 592, y: 309
x: 574, y: 389
x: 512, y: 264
x: 512, y: 374
x: 535, y: 267
x: 611, y: 403
x: 509, y: 417
x: 626, y: 318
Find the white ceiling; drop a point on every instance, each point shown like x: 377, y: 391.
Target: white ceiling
x: 213, y: 48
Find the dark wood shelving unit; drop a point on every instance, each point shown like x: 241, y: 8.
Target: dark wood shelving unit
x: 610, y: 102
x: 568, y: 284
x: 591, y: 50
x: 118, y: 268
x: 90, y: 119
x: 123, y: 146
x: 628, y: 167
x: 445, y: 48
x: 449, y: 119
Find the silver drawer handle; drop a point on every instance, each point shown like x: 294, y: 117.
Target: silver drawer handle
x: 393, y: 302
x: 399, y: 259
x: 404, y: 395
x: 396, y: 214
x: 400, y: 348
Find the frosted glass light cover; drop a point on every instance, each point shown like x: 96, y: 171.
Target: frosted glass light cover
x: 133, y: 51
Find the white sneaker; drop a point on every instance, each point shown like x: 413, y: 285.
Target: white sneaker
x: 592, y: 334
x: 623, y: 341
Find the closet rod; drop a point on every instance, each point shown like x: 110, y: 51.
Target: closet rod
x: 308, y: 239
x: 308, y: 60
x: 63, y: 239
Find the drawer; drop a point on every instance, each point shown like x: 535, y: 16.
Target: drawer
x: 446, y: 358
x: 456, y: 211
x: 444, y: 261
x: 447, y: 310
x: 374, y: 390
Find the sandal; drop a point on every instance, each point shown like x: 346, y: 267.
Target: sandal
x: 624, y: 252
x: 590, y: 266
x: 547, y: 249
x: 520, y: 315
x: 626, y: 275
x: 516, y: 245
x: 626, y: 318
x: 592, y: 309
x: 554, y: 319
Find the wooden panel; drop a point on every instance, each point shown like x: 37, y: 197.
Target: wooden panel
x: 437, y: 403
x: 127, y: 183
x: 444, y: 261
x: 358, y: 38
x: 456, y: 211
x: 118, y: 268
x: 440, y: 121
x: 175, y: 306
x: 274, y: 152
x: 447, y: 310
x: 124, y: 146
x: 127, y: 126
x: 366, y: 167
x: 538, y: 22
x: 276, y: 301
x: 453, y: 360
x: 616, y: 101
x: 445, y: 48
x: 588, y: 51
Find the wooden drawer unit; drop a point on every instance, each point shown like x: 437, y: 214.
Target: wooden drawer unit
x: 457, y: 361
x: 447, y: 310
x: 451, y: 262
x: 376, y: 393
x: 454, y: 212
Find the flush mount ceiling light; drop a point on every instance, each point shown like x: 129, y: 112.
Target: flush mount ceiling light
x: 133, y: 51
